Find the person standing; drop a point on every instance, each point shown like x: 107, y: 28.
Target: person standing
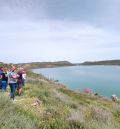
x: 13, y: 81
x: 4, y: 80
x: 24, y: 77
x: 1, y: 72
x: 20, y: 82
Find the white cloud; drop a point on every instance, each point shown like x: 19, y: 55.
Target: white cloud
x: 39, y: 31
x: 55, y: 40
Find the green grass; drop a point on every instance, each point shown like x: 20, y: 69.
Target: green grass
x: 59, y: 108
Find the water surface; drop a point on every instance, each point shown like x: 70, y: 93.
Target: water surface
x: 104, y: 80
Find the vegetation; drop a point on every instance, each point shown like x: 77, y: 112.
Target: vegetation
x: 49, y: 105
x: 45, y: 64
x: 106, y: 62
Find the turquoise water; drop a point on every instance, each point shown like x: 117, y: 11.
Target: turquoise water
x: 104, y: 80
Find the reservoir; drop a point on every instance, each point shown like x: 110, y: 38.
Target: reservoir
x: 104, y: 80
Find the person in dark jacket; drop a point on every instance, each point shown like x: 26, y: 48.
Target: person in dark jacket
x: 1, y: 72
x: 4, y: 80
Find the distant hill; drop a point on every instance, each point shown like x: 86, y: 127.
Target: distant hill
x: 105, y: 62
x: 33, y: 65
x: 45, y: 64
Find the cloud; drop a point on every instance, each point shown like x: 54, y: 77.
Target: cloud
x: 21, y: 10
x: 55, y: 40
x: 44, y: 30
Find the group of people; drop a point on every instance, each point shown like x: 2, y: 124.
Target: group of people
x: 14, y: 77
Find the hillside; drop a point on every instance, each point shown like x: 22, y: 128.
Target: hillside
x: 49, y: 105
x: 107, y: 62
x: 45, y: 64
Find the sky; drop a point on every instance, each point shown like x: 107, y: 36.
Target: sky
x: 56, y: 30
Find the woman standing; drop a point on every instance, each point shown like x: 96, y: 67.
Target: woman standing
x: 20, y: 82
x: 24, y: 77
x: 13, y: 81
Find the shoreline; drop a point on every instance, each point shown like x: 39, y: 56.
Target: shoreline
x: 51, y: 81
x: 77, y: 89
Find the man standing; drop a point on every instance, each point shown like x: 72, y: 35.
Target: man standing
x: 1, y: 72
x: 4, y: 80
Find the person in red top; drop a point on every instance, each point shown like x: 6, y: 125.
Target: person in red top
x: 20, y: 81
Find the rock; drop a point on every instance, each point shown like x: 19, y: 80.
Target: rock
x: 37, y: 103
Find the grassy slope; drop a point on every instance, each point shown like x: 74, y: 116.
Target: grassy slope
x: 57, y: 108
